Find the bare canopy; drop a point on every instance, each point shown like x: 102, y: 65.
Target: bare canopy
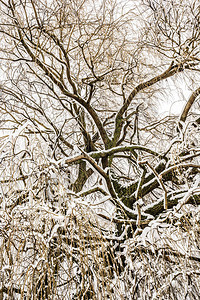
x: 87, y: 159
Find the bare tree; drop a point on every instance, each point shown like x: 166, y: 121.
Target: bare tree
x: 99, y: 192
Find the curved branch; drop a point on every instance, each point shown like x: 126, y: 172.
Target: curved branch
x: 173, y: 69
x: 189, y: 104
x: 132, y: 148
